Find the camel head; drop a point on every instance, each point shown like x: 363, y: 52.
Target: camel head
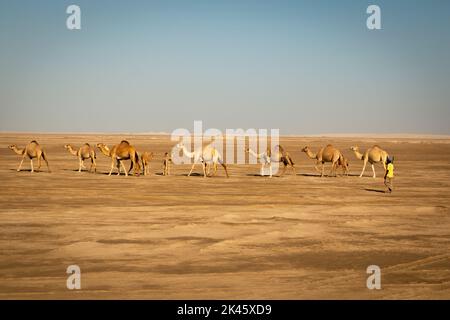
x: 12, y: 147
x: 354, y: 148
x: 305, y: 149
x: 101, y: 145
x: 343, y: 162
x: 67, y: 146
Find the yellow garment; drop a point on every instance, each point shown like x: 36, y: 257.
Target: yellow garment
x: 390, y: 170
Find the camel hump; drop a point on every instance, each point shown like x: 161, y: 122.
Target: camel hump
x: 329, y: 145
x: 34, y: 141
x: 124, y: 141
x: 87, y: 144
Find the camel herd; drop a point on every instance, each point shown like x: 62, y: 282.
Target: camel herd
x: 207, y: 157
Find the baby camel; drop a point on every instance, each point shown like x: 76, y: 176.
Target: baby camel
x: 167, y: 161
x: 32, y: 150
x: 146, y: 157
x: 83, y: 153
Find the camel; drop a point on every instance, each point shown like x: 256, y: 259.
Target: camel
x: 146, y: 157
x: 120, y: 152
x: 166, y: 164
x: 32, y: 150
x: 372, y: 155
x: 83, y: 153
x: 209, y: 155
x: 328, y: 154
x: 280, y: 155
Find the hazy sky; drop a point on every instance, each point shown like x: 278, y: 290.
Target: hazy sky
x: 301, y: 66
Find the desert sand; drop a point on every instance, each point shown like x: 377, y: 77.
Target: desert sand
x: 246, y: 237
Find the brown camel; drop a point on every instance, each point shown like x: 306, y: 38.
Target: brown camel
x: 32, y: 150
x: 146, y: 157
x: 328, y: 154
x: 372, y: 155
x: 85, y: 152
x: 120, y: 152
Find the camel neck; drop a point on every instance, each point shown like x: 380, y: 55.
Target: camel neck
x: 187, y: 153
x: 253, y: 153
x: 72, y: 151
x: 105, y: 150
x: 358, y: 154
x: 311, y: 154
x: 18, y: 151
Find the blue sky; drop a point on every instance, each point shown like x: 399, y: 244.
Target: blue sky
x: 304, y: 67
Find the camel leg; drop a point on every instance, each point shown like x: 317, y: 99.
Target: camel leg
x: 112, y: 167
x: 94, y: 163
x: 364, y: 168
x: 373, y: 169
x: 124, y: 169
x: 118, y: 167
x: 225, y: 168
x: 204, y: 169
x: 44, y: 156
x: 333, y: 172
x: 79, y: 164
x: 20, y: 164
x: 262, y: 170
x: 284, y: 170
x: 39, y: 162
x: 315, y: 166
x: 31, y: 162
x: 293, y: 169
x: 270, y: 170
x: 192, y: 169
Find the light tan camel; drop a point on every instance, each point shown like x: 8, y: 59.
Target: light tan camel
x: 372, y: 155
x: 279, y: 155
x: 328, y: 154
x: 120, y: 152
x: 146, y: 157
x: 85, y: 152
x: 167, y: 161
x: 209, y: 155
x: 32, y: 150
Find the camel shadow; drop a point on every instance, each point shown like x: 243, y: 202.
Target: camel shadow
x: 308, y: 175
x: 76, y: 170
x: 375, y: 190
x: 193, y: 174
x: 28, y: 170
x: 353, y: 175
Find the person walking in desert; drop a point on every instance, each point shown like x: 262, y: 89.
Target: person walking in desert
x: 389, y: 175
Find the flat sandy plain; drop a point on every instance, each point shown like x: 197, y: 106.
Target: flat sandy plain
x: 246, y: 237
